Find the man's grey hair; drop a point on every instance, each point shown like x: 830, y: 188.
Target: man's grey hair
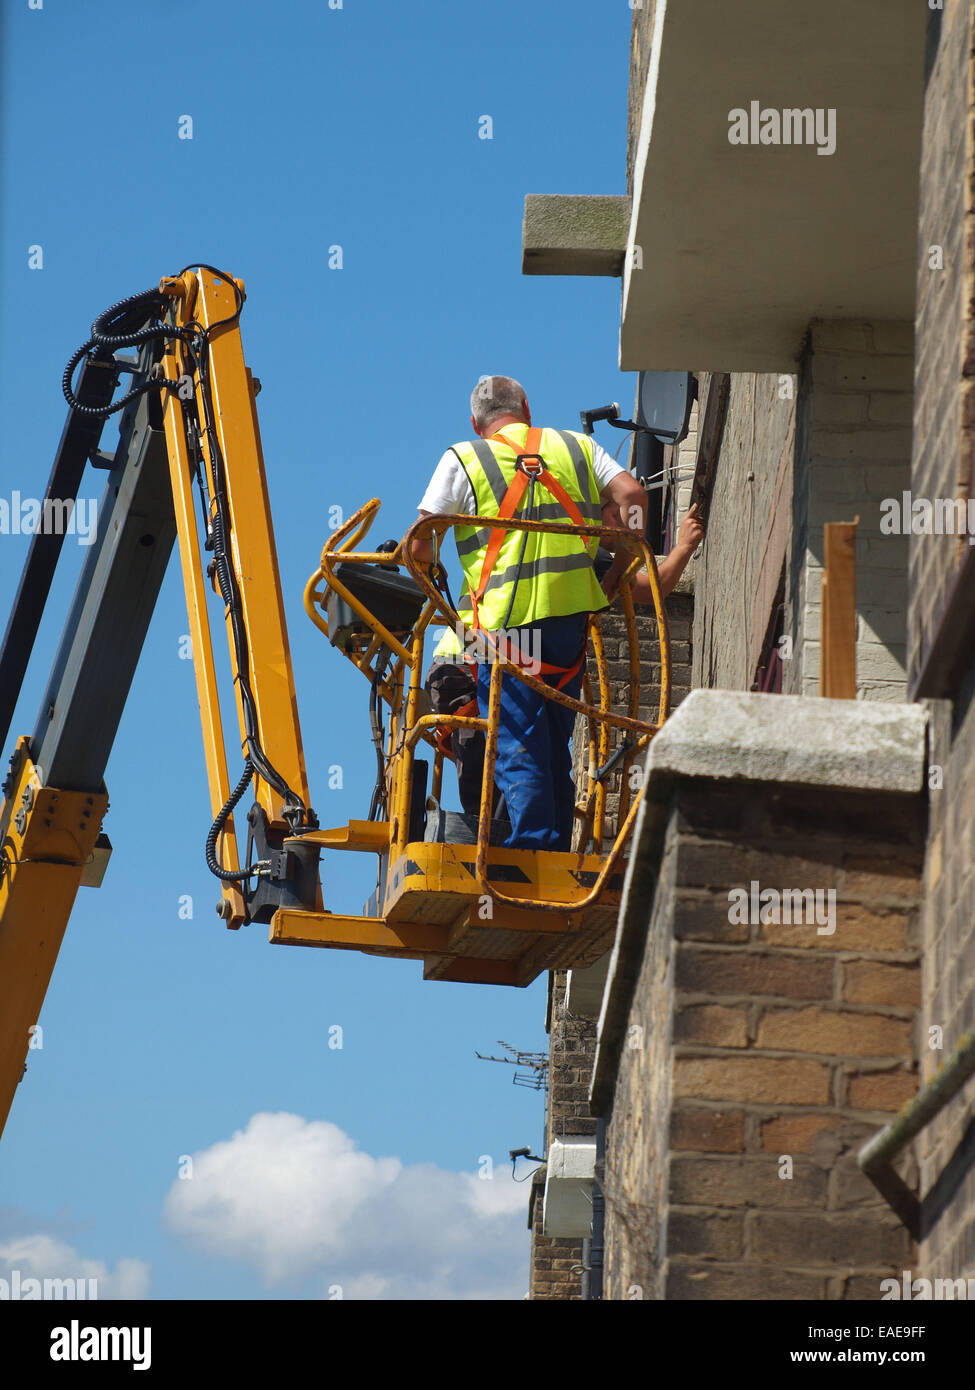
x: 494, y: 396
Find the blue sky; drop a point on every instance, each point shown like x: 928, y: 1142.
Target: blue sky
x: 164, y: 1037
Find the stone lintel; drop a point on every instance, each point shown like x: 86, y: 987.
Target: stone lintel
x: 737, y: 735
x: 566, y: 234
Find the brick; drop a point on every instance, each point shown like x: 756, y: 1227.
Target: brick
x: 837, y: 1034
x: 876, y: 663
x: 873, y: 982
x: 840, y: 335
x: 705, y: 918
x: 718, y: 1234
x: 851, y: 819
x: 850, y: 1188
x: 840, y: 408
x: 885, y: 1090
x: 857, y: 929
x: 574, y: 1094
x: 863, y: 372
x: 796, y: 1134
x: 859, y: 1288
x: 753, y: 973
x: 725, y: 865
x: 894, y: 880
x: 868, y: 442
x: 716, y: 1131
x: 744, y: 1182
x: 891, y: 408
x: 777, y: 1081
x: 700, y: 1282
x: 718, y: 808
x: 719, y: 1025
x: 791, y: 1238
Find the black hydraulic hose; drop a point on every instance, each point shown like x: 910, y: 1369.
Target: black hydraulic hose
x: 102, y: 412
x: 135, y: 307
x: 440, y: 581
x: 228, y: 592
x: 378, y: 800
x: 124, y: 315
x: 123, y: 318
x: 223, y: 815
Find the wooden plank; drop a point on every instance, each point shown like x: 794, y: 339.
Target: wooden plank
x: 837, y: 669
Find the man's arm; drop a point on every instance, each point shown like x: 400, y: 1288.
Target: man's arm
x: 448, y: 491
x: 629, y: 496
x: 421, y: 548
x: 670, y: 567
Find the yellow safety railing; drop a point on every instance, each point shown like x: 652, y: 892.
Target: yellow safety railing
x: 386, y: 660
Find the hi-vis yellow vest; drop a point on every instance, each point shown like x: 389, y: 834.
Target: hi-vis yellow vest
x: 554, y: 577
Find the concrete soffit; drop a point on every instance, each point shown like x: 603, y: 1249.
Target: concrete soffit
x: 724, y: 735
x: 734, y: 247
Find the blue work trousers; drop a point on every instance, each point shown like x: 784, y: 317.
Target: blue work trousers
x: 534, y: 766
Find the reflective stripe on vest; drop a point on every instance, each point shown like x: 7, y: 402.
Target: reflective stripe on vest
x: 556, y: 576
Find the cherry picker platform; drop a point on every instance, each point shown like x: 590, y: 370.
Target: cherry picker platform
x: 471, y: 912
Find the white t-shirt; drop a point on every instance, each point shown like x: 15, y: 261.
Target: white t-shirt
x: 450, y: 491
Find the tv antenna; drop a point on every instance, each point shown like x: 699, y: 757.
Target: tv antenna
x: 535, y: 1074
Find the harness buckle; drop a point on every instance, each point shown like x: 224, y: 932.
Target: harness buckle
x: 534, y: 470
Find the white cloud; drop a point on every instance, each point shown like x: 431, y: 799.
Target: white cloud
x: 297, y: 1200
x: 45, y: 1257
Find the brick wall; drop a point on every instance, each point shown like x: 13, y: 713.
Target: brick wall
x: 944, y: 418
x: 747, y: 1045
x: 853, y: 451
x: 555, y: 1261
x: 571, y: 1047
x: 572, y: 1039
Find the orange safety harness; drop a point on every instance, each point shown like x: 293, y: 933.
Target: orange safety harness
x: 530, y: 468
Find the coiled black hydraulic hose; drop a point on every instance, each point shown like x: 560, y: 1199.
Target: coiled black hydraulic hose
x: 134, y: 310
